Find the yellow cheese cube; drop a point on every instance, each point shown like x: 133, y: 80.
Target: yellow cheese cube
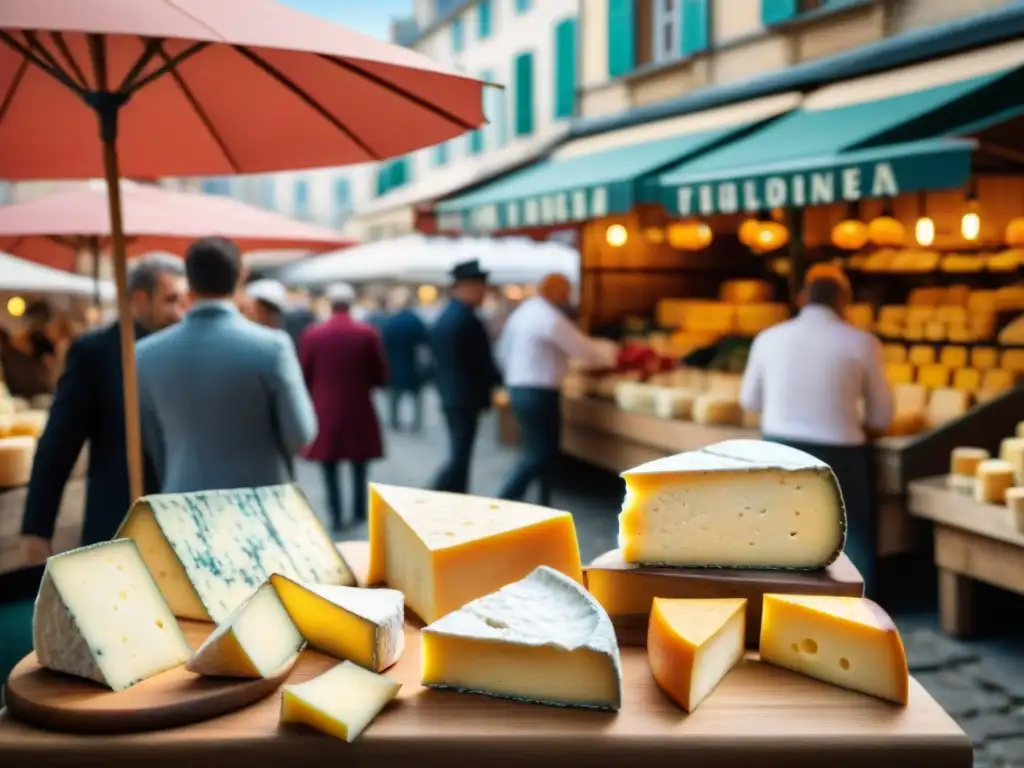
x: 444, y: 549
x: 984, y: 358
x: 960, y: 334
x: 963, y: 466
x: 935, y: 330
x: 849, y: 642
x: 1012, y: 360
x: 953, y: 357
x: 746, y: 292
x: 984, y: 301
x: 945, y: 405
x: 341, y: 702
x: 692, y: 645
x: 997, y: 380
x: 921, y: 354
x: 967, y: 379
x: 899, y: 373
x: 933, y: 376
x: 894, y: 353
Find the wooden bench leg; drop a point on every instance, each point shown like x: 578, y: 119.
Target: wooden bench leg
x: 956, y: 603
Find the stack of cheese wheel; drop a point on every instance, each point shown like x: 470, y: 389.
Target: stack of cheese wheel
x: 963, y: 467
x: 16, y: 455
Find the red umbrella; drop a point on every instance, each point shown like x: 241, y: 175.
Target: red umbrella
x: 53, y: 229
x: 151, y: 88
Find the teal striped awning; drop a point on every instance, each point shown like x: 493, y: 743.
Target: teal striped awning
x: 856, y: 149
x: 597, y: 176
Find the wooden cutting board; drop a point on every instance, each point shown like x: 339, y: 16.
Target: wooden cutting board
x: 60, y: 702
x: 626, y: 590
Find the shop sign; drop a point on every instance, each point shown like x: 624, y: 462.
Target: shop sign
x: 841, y: 184
x: 543, y: 211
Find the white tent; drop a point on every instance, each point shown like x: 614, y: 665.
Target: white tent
x: 21, y: 276
x: 418, y: 258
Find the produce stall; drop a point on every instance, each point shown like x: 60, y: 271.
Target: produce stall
x: 759, y: 714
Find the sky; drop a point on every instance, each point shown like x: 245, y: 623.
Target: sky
x: 371, y: 17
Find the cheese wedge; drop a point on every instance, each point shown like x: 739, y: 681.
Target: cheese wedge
x: 366, y: 626
x: 99, y: 615
x: 442, y: 550
x: 341, y: 702
x: 735, y: 504
x: 258, y: 639
x: 543, y: 639
x: 692, y: 645
x: 208, y: 551
x: 846, y: 641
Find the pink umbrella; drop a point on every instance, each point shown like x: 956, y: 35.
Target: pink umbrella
x: 189, y: 87
x: 53, y: 229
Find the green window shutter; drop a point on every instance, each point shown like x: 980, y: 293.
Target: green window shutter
x: 483, y: 19
x: 565, y: 68
x: 524, y: 94
x: 621, y: 38
x: 441, y: 153
x: 696, y: 25
x: 774, y: 11
x: 383, y: 178
x: 456, y: 30
x: 522, y: 6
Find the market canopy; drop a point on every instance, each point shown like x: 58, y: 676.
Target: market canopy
x: 21, y: 276
x: 598, y: 175
x: 878, y: 136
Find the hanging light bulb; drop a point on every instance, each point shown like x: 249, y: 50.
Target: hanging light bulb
x: 850, y: 234
x: 970, y: 223
x: 616, y: 235
x: 924, y: 229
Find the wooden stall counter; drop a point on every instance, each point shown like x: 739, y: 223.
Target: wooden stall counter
x: 973, y: 542
x: 598, y: 432
x: 759, y: 715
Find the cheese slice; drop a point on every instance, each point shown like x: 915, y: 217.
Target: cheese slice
x: 99, y: 615
x: 258, y: 639
x: 341, y: 702
x: 692, y: 645
x: 366, y: 626
x: 543, y: 639
x: 209, y: 551
x: 846, y: 641
x: 442, y: 550
x: 734, y: 504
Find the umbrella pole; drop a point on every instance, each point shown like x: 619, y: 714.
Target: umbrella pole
x: 132, y: 426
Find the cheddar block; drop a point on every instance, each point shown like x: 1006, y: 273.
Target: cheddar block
x: 738, y: 503
x: 997, y: 380
x: 442, y: 550
x: 99, y: 615
x: 692, y: 645
x: 717, y: 409
x: 849, y: 642
x: 984, y: 358
x: 953, y: 357
x: 1012, y: 360
x: 963, y: 466
x: 341, y: 702
x: 1011, y: 450
x: 16, y: 456
x: 967, y: 379
x: 991, y: 481
x: 365, y: 626
x: 921, y: 354
x: 933, y: 376
x: 543, y: 639
x: 257, y: 640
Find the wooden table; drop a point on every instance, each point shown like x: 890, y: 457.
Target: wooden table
x: 973, y: 542
x: 759, y: 716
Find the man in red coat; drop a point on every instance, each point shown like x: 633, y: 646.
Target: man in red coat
x: 343, y: 362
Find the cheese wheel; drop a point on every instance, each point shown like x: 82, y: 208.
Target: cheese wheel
x: 921, y: 354
x: 963, y: 465
x: 933, y: 376
x: 717, y: 409
x: 994, y: 477
x: 953, y: 357
x: 894, y: 353
x: 673, y: 403
x: 947, y: 404
x: 20, y: 404
x: 29, y: 423
x: 635, y: 397
x: 908, y: 398
x: 967, y: 379
x: 1015, y: 501
x: 6, y: 421
x: 1011, y: 450
x: 16, y: 454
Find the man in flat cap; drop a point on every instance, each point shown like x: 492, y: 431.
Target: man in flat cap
x: 465, y: 371
x: 807, y: 377
x: 343, y: 362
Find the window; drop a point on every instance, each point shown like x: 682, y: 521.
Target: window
x: 565, y: 68
x: 666, y: 28
x: 523, y: 86
x: 496, y: 112
x: 483, y: 19
x: 268, y: 193
x: 622, y: 53
x: 300, y: 199
x: 440, y: 154
x: 217, y: 186
x: 457, y: 41
x: 475, y: 141
x: 342, y: 200
x: 522, y: 6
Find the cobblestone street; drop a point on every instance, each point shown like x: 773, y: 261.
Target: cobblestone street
x: 979, y: 682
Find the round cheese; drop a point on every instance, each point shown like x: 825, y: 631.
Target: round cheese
x: 1011, y: 450
x: 993, y: 478
x: 963, y: 465
x: 16, y: 454
x: 29, y: 423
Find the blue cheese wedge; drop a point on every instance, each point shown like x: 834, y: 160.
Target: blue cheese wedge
x: 100, y: 616
x: 734, y: 504
x: 209, y: 551
x: 542, y: 639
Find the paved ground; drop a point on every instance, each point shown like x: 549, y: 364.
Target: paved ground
x: 980, y: 683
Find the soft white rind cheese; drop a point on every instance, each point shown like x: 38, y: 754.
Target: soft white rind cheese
x: 734, y: 504
x: 99, y: 615
x: 543, y: 639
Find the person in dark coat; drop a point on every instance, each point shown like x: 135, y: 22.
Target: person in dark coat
x: 464, y: 370
x: 343, y: 362
x: 405, y: 341
x: 89, y: 407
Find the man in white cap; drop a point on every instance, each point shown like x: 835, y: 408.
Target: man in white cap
x: 265, y: 302
x: 343, y: 362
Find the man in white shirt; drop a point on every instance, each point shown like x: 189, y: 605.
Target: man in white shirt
x: 807, y: 377
x: 534, y: 350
